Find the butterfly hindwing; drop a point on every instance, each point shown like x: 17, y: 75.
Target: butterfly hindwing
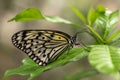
x: 42, y: 46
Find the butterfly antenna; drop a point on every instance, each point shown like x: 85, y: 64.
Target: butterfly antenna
x: 82, y: 43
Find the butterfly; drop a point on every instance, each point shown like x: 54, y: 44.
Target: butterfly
x: 43, y: 46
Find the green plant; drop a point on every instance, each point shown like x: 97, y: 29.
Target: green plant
x: 103, y: 55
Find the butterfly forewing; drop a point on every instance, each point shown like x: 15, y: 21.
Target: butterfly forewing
x: 42, y: 46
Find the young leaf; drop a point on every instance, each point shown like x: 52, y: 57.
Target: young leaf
x: 105, y: 59
x: 107, y: 22
x: 94, y: 14
x: 91, y: 17
x: 101, y: 9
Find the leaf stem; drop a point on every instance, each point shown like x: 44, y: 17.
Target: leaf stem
x: 96, y: 34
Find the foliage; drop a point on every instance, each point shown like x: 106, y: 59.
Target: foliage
x: 30, y: 68
x: 103, y: 55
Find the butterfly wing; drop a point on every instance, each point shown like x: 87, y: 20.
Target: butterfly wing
x: 42, y: 46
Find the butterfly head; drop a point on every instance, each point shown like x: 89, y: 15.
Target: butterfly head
x: 73, y: 40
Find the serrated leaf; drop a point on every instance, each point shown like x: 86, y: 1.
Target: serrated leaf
x: 105, y: 59
x: 32, y: 69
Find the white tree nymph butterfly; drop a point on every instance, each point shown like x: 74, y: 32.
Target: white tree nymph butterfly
x: 43, y: 46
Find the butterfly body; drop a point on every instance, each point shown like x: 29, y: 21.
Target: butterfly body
x: 43, y: 46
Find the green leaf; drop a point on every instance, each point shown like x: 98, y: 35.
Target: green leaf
x: 113, y: 19
x: 81, y: 75
x: 100, y: 23
x: 100, y: 20
x: 78, y: 13
x: 25, y: 69
x: 107, y: 22
x: 32, y: 69
x: 34, y: 14
x: 94, y: 14
x: 105, y: 59
x: 73, y: 55
x: 91, y: 16
x: 101, y: 9
x: 56, y: 19
x: 28, y: 14
x: 96, y: 35
x: 114, y: 37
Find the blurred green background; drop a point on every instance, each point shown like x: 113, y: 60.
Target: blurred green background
x: 10, y: 57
